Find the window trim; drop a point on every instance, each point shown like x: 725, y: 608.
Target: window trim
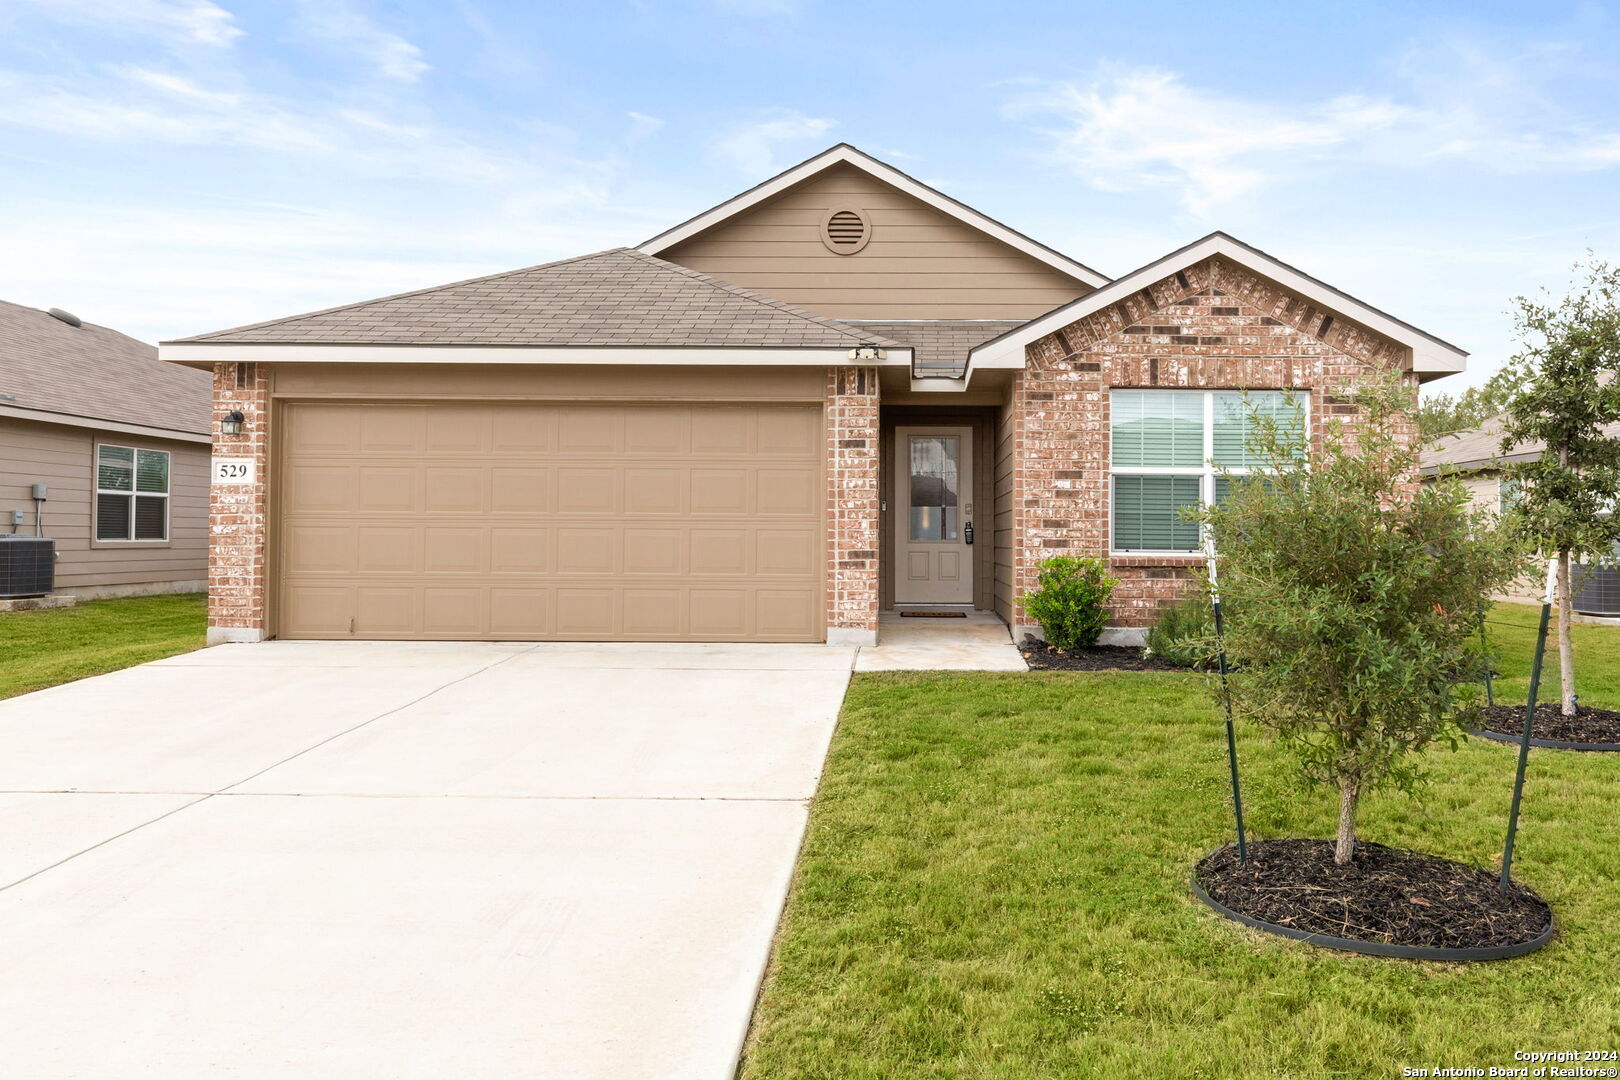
x: 96, y: 491
x: 1207, y: 473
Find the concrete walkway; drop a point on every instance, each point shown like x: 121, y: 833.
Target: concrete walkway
x: 347, y: 859
x: 977, y: 642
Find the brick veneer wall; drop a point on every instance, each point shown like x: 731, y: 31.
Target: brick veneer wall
x: 852, y: 505
x: 1213, y: 325
x: 237, y: 522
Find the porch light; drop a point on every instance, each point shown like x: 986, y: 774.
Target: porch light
x: 867, y: 352
x: 231, y: 424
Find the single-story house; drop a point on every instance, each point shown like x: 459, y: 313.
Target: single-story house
x: 1475, y: 458
x: 104, y: 449
x: 837, y: 393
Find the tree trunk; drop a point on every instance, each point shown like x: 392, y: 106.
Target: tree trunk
x: 1345, y: 847
x: 1566, y: 647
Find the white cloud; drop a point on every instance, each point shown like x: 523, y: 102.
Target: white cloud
x: 642, y: 125
x: 391, y: 55
x: 1133, y: 129
x: 181, y: 22
x: 752, y: 148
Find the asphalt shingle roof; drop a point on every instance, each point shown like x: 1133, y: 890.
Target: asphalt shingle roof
x: 939, y: 346
x: 1481, y: 448
x: 619, y: 297
x: 92, y: 372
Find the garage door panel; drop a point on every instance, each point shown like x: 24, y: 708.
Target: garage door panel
x: 587, y: 551
x: 521, y: 489
x: 787, y: 491
x: 396, y: 429
x: 520, y: 551
x: 590, y: 431
x: 721, y: 491
x: 387, y: 610
x: 585, y: 614
x: 654, y: 551
x: 794, y: 433
x: 457, y: 429
x: 388, y: 488
x: 387, y: 549
x: 528, y: 521
x: 585, y: 490
x: 314, y: 548
x: 463, y: 550
x: 453, y: 612
x: 464, y: 489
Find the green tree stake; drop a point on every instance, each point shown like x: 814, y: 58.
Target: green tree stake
x: 1485, y: 655
x: 1529, y: 720
x: 1226, y: 699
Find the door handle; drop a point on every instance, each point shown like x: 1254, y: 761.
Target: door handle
x: 967, y: 533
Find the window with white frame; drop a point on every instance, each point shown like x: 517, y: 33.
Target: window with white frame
x: 132, y: 493
x: 1169, y: 448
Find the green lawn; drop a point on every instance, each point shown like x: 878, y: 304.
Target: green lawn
x: 44, y: 648
x: 995, y: 885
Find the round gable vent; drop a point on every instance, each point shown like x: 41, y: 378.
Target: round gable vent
x: 845, y: 230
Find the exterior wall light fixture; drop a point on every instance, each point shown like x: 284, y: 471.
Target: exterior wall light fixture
x: 868, y: 353
x: 232, y: 423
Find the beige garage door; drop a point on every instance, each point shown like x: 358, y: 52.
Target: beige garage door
x: 541, y: 521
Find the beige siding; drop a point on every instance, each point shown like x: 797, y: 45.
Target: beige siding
x: 1002, y: 531
x: 63, y: 457
x: 919, y: 264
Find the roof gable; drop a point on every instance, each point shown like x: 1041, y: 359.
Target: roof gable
x: 619, y: 297
x: 847, y: 155
x: 1431, y: 357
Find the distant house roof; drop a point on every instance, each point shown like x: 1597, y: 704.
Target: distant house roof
x: 1481, y: 448
x: 939, y: 346
x: 619, y: 297
x: 59, y: 372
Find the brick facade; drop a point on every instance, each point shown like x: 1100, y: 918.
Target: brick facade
x: 237, y: 523
x: 1213, y: 325
x: 852, y: 505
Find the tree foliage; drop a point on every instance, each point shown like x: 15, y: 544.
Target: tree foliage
x: 1441, y: 414
x: 1568, y: 393
x: 1355, y: 596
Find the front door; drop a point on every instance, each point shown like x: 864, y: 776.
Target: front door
x: 933, y: 489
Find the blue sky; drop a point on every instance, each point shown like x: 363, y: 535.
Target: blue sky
x: 169, y: 167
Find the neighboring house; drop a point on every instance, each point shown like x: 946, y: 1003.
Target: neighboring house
x: 838, y: 392
x: 1475, y: 458
x: 119, y: 439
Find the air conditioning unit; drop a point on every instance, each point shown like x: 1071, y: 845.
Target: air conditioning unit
x: 1597, y: 591
x: 27, y: 566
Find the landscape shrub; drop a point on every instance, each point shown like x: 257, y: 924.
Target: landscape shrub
x: 1185, y: 632
x: 1071, y: 602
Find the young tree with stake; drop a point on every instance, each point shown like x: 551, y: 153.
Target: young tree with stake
x: 1353, y: 595
x: 1568, y: 392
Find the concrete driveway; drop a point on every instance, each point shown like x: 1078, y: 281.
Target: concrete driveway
x: 361, y: 859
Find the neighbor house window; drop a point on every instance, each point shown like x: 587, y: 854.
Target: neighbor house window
x: 132, y: 493
x: 1168, y: 448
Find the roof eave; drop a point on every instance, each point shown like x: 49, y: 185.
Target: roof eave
x: 204, y: 354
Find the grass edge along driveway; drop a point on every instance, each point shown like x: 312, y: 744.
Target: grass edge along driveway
x: 994, y: 885
x: 46, y: 648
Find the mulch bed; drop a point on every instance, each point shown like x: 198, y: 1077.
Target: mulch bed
x: 1588, y: 725
x: 1043, y: 657
x: 1385, y: 895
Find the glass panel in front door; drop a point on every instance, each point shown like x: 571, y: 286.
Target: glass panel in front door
x: 935, y: 466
